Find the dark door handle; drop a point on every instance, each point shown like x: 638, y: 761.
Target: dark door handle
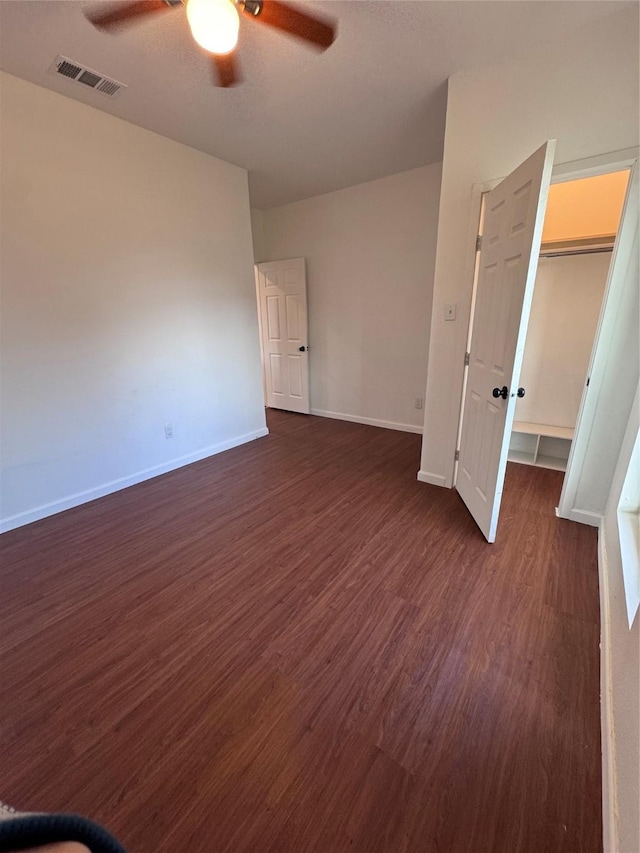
x: 501, y: 392
x: 521, y: 392
x: 303, y: 349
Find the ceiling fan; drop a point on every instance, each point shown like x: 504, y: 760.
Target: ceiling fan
x: 215, y: 24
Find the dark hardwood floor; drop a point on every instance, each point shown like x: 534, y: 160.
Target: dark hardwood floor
x: 295, y: 646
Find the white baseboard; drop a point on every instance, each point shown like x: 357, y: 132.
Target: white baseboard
x: 609, y: 806
x: 583, y: 516
x: 70, y: 501
x: 340, y: 416
x: 434, y: 479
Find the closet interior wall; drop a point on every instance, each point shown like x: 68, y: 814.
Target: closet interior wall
x: 580, y: 225
x: 564, y: 316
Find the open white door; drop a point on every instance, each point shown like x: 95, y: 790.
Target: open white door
x: 513, y: 220
x: 283, y: 320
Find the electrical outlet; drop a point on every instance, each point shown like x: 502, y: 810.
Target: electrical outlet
x: 418, y: 403
x: 168, y: 430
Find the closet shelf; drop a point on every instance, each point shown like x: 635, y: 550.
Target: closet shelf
x: 543, y: 445
x: 543, y: 429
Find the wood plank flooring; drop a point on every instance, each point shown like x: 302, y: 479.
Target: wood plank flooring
x: 295, y: 646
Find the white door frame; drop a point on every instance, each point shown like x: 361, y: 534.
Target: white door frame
x: 562, y: 172
x: 624, y: 244
x: 264, y: 378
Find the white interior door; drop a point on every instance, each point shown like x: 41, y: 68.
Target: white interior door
x: 283, y: 321
x: 513, y: 219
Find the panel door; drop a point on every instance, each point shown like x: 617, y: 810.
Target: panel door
x: 283, y: 320
x: 514, y: 215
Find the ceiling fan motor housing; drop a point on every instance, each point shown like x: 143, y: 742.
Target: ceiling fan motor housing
x: 214, y: 26
x: 253, y: 7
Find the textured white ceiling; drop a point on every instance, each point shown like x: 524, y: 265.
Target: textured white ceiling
x: 302, y: 123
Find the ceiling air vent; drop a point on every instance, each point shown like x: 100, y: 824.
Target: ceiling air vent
x: 86, y: 76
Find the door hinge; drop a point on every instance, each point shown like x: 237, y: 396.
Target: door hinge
x: 457, y: 456
x: 478, y: 242
x: 588, y: 380
x: 467, y: 356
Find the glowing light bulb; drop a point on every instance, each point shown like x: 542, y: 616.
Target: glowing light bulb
x: 214, y: 24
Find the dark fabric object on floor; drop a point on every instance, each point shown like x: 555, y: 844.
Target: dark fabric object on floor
x: 32, y: 830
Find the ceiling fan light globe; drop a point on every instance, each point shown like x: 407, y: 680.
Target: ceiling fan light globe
x: 214, y: 24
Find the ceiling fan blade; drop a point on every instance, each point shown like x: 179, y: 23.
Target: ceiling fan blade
x: 127, y: 13
x: 226, y: 71
x: 316, y: 31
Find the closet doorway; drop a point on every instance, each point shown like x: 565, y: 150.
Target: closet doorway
x: 580, y: 228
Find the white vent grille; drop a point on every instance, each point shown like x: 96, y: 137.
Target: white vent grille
x: 81, y: 74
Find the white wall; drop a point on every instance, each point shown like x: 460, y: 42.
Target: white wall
x: 584, y: 93
x: 128, y: 302
x: 370, y: 253
x: 620, y: 675
x: 564, y: 315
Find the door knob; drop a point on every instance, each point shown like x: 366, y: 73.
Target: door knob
x: 302, y: 349
x: 521, y: 392
x: 501, y: 392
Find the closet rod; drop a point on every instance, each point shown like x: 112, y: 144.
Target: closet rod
x: 577, y: 246
x: 585, y: 251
